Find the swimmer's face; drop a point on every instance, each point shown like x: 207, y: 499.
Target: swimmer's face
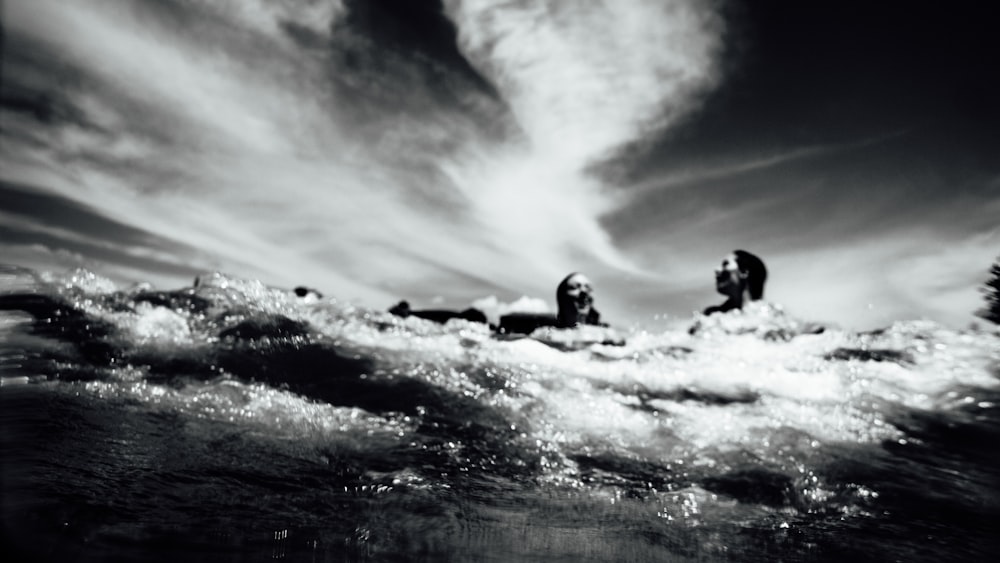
x: 580, y: 293
x: 728, y: 278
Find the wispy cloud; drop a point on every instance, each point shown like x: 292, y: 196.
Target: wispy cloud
x: 916, y: 273
x: 325, y: 143
x: 720, y: 167
x: 216, y: 125
x: 584, y: 78
x: 866, y: 280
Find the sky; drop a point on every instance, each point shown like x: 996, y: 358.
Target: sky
x: 445, y: 151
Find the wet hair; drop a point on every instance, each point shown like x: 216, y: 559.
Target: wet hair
x: 303, y: 291
x: 401, y: 309
x: 756, y: 272
x: 562, y: 288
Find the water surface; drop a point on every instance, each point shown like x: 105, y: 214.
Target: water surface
x: 236, y: 422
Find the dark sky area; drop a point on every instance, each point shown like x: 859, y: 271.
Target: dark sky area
x: 820, y: 71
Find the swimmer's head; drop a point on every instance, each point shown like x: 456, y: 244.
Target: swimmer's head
x: 741, y: 272
x: 308, y: 294
x: 575, y: 298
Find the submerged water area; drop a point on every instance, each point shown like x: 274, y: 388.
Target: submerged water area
x: 236, y: 422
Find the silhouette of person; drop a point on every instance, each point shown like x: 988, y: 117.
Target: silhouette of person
x: 402, y: 309
x: 741, y: 279
x: 575, y: 299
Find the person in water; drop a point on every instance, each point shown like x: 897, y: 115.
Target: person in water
x: 402, y: 309
x: 308, y: 293
x: 741, y: 279
x: 575, y: 301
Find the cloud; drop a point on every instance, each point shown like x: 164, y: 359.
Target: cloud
x: 717, y: 168
x: 904, y: 274
x: 334, y: 144
x: 493, y: 308
x: 584, y: 78
x: 942, y: 278
x: 270, y: 17
x: 299, y: 150
x: 860, y: 234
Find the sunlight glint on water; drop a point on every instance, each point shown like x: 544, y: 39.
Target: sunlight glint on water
x: 354, y: 433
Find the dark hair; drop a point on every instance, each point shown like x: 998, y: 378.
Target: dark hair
x: 566, y: 315
x: 561, y: 288
x: 755, y: 270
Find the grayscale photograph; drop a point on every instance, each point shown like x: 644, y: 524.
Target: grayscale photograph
x: 499, y: 281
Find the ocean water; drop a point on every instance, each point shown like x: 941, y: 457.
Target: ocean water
x: 236, y: 422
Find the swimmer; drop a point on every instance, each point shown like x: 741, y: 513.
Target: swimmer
x: 578, y: 324
x: 402, y: 309
x: 575, y: 299
x: 309, y: 294
x: 740, y: 279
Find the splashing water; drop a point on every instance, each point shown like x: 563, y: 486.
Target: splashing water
x: 235, y: 418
